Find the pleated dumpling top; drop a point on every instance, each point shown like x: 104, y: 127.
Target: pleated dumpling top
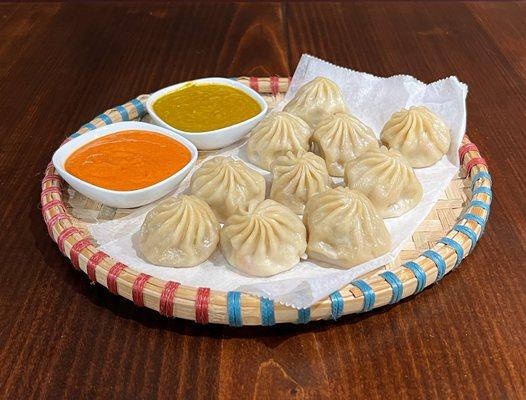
x: 387, y: 179
x: 344, y: 228
x: 226, y: 184
x: 179, y: 232
x: 296, y: 177
x: 316, y: 100
x: 276, y: 134
x: 419, y: 134
x: 341, y: 138
x: 263, y: 239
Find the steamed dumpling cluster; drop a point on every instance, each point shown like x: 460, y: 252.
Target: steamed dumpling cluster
x: 419, y: 134
x: 387, y: 179
x: 263, y: 239
x: 179, y: 232
x: 344, y: 228
x: 226, y: 184
x: 296, y: 177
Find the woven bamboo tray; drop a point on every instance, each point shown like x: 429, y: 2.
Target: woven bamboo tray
x: 449, y: 233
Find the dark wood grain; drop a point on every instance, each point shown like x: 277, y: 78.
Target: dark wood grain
x: 60, y: 337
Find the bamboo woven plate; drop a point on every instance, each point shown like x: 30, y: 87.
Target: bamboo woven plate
x: 449, y: 233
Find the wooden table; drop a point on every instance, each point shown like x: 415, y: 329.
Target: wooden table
x: 60, y: 336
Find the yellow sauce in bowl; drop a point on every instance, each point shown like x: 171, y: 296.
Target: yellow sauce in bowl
x: 205, y: 107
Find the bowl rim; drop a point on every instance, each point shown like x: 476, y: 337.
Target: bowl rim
x: 218, y: 80
x: 64, y: 151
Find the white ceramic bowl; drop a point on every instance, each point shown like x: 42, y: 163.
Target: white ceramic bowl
x: 218, y: 138
x: 115, y: 198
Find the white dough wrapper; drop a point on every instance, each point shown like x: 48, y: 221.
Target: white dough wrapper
x: 387, y: 179
x: 263, y: 239
x: 344, y: 228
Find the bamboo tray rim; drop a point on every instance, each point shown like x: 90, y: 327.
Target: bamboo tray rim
x: 204, y: 305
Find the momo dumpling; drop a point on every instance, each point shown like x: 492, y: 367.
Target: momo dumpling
x: 298, y: 177
x: 263, y: 239
x: 278, y: 133
x: 226, y: 184
x: 316, y: 100
x: 419, y: 134
x: 344, y: 228
x: 387, y: 179
x: 341, y: 138
x: 179, y: 232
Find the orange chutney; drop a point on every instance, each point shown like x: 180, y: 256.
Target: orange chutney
x: 128, y: 160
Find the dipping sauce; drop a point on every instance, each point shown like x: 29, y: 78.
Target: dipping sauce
x: 205, y: 107
x: 128, y: 160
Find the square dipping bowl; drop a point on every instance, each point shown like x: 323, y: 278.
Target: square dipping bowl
x: 117, y: 198
x: 217, y: 138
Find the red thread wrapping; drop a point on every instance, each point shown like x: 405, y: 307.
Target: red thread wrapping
x: 274, y: 85
x: 113, y: 273
x: 166, y: 305
x: 254, y: 83
x: 49, y: 190
x: 51, y: 204
x: 93, y: 262
x: 76, y: 249
x: 475, y: 161
x: 53, y: 220
x: 465, y: 149
x: 201, y: 305
x: 61, y: 240
x: 49, y: 178
x: 138, y: 288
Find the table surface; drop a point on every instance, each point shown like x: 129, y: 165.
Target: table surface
x: 62, y: 64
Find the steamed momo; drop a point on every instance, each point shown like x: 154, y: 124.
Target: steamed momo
x: 316, y: 100
x: 344, y: 228
x: 298, y: 177
x: 226, y: 184
x: 263, y: 239
x: 179, y: 232
x: 387, y: 179
x: 278, y: 133
x: 340, y: 138
x: 419, y: 134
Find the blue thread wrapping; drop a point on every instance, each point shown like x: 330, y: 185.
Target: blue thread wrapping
x: 473, y: 217
x: 485, y: 190
x: 396, y: 285
x: 89, y: 126
x: 139, y: 107
x: 468, y: 232
x: 368, y: 294
x: 479, y: 175
x: 419, y: 273
x: 266, y: 307
x: 336, y: 305
x: 74, y: 135
x: 234, y: 309
x: 438, y: 260
x: 303, y: 315
x: 107, y: 120
x: 123, y: 112
x: 481, y: 204
x: 455, y: 246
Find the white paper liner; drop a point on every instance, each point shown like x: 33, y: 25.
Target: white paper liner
x: 373, y: 100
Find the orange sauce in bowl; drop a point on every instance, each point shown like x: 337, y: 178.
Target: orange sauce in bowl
x: 128, y: 160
